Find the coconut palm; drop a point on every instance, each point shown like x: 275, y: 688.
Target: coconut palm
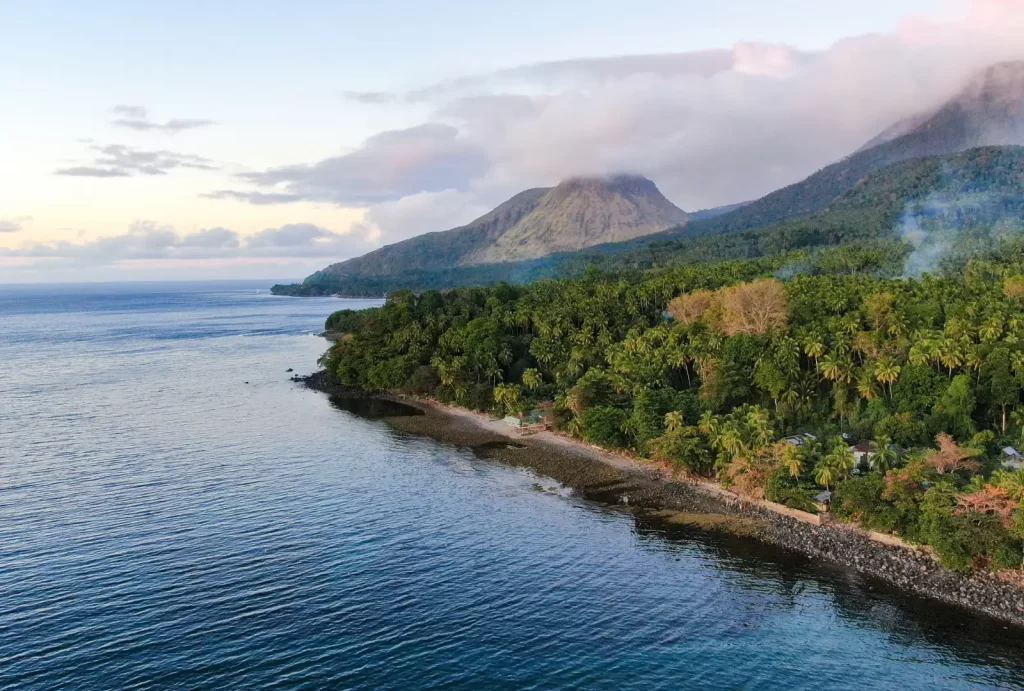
x: 792, y: 460
x: 887, y: 372
x: 883, y: 455
x: 674, y: 421
x: 834, y: 369
x: 841, y: 457
x: 825, y: 473
x: 815, y: 349
x: 866, y: 385
x: 532, y: 379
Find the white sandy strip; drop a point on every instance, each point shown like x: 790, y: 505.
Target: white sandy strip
x: 500, y: 427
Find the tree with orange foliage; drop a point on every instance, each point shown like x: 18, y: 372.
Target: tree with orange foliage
x: 1013, y: 287
x: 951, y: 456
x: 989, y: 499
x: 750, y: 471
x: 757, y: 307
x: 688, y: 308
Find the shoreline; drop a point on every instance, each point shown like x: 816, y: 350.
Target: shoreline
x: 632, y: 484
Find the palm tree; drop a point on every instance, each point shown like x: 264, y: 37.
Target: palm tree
x: 866, y: 386
x: 919, y: 354
x: 1011, y: 483
x: 824, y: 473
x: 883, y: 455
x: 815, y: 349
x: 887, y: 371
x: 759, y: 427
x: 674, y: 421
x: 834, y: 369
x: 950, y: 356
x: 991, y: 330
x: 532, y: 379
x: 792, y: 460
x: 841, y: 457
x: 508, y: 395
x: 730, y: 440
x: 708, y: 423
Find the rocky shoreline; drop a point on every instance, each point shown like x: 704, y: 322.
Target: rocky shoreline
x: 625, y: 483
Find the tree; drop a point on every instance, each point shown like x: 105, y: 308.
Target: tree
x: 950, y: 456
x: 887, y: 371
x: 688, y: 308
x: 532, y: 379
x: 883, y: 456
x: 673, y: 421
x: 814, y: 348
x: 510, y: 396
x: 825, y: 473
x: 758, y: 307
x: 793, y: 461
x: 1003, y: 387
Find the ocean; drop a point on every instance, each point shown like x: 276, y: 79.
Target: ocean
x: 176, y: 513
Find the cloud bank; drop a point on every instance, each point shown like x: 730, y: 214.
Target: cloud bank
x: 120, y: 161
x: 137, y: 118
x: 13, y: 225
x: 148, y: 240
x: 710, y: 128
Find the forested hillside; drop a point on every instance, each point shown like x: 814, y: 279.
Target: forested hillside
x: 937, y: 199
x: 709, y: 368
x: 938, y: 202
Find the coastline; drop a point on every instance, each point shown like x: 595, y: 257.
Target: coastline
x: 638, y: 486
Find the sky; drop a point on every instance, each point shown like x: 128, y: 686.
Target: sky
x: 196, y: 140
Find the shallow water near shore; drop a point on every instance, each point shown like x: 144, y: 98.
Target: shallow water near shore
x: 175, y: 512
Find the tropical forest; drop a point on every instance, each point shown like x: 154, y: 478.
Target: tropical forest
x: 764, y: 374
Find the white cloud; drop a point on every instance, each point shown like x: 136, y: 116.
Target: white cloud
x: 710, y: 128
x: 137, y: 118
x: 14, y: 225
x: 146, y: 240
x: 120, y: 161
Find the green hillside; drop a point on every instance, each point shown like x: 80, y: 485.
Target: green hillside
x: 969, y: 195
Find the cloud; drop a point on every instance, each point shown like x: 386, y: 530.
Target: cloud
x: 137, y: 118
x: 370, y: 97
x: 560, y: 74
x: 118, y: 161
x: 14, y: 225
x: 258, y: 198
x: 92, y: 172
x: 388, y: 166
x: 710, y: 128
x: 420, y: 213
x: 146, y: 240
x: 130, y: 111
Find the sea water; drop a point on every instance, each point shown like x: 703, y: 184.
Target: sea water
x: 176, y: 513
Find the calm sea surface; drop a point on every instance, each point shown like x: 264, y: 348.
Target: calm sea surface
x: 174, y: 513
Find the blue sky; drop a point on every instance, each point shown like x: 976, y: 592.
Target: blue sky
x: 135, y: 129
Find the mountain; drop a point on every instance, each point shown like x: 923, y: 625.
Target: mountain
x: 583, y: 212
x: 443, y: 249
x: 578, y: 213
x: 988, y: 111
x: 939, y: 202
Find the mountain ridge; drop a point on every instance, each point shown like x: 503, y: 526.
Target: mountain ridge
x: 987, y: 111
x: 578, y: 213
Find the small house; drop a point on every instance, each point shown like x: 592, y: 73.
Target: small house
x: 1012, y: 459
x: 528, y: 423
x: 823, y: 500
x: 862, y: 454
x: 799, y: 439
